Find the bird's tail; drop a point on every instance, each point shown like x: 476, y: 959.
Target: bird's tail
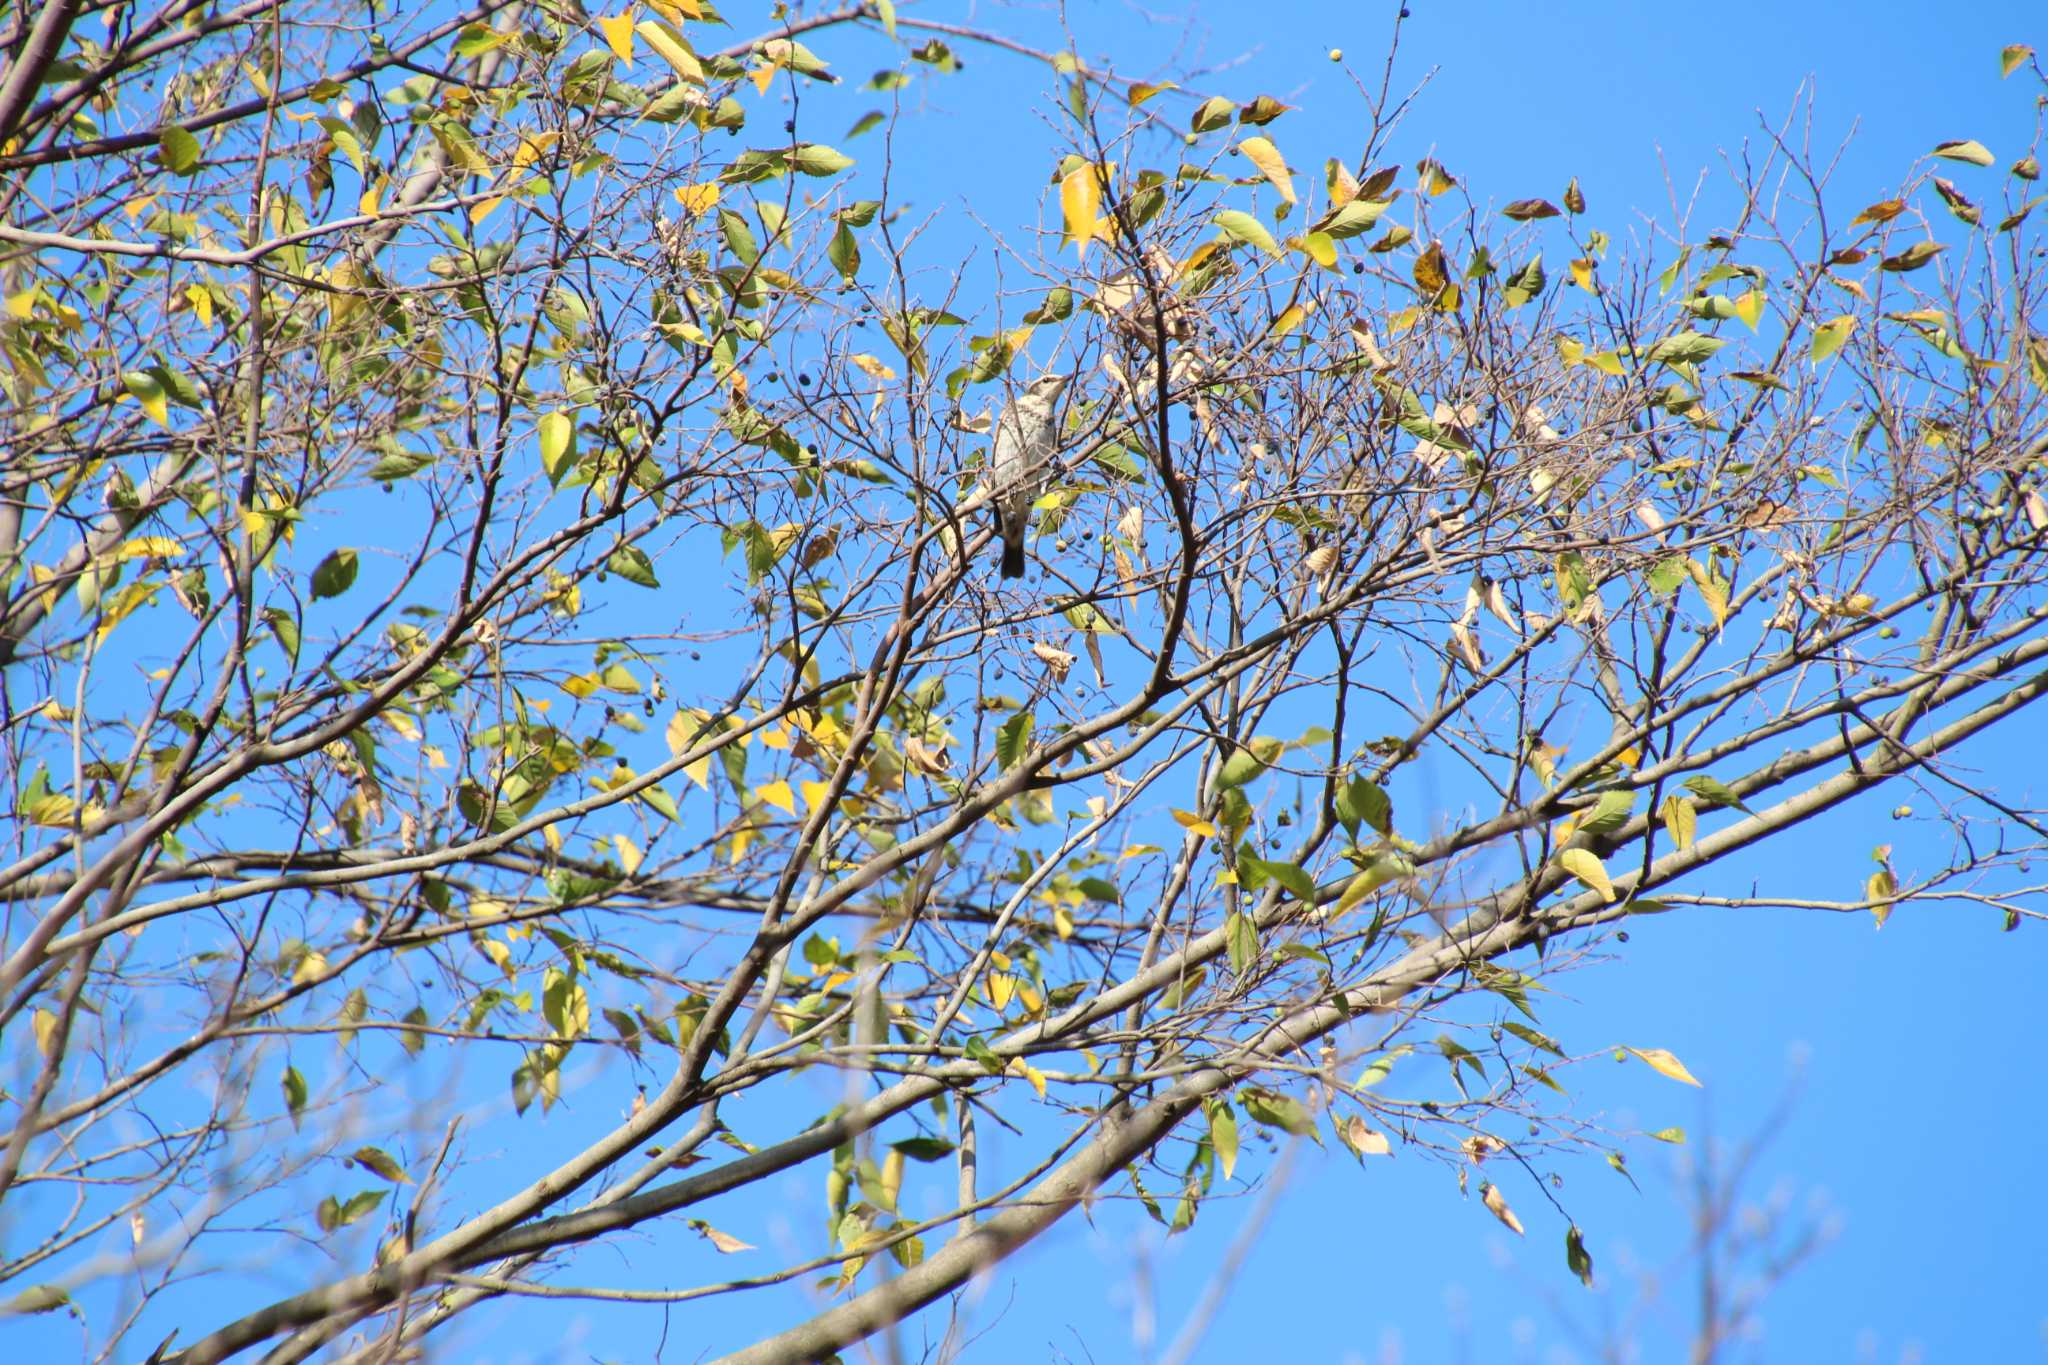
x: 1013, y: 558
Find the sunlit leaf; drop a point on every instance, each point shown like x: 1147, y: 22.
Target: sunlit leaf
x: 1663, y: 1063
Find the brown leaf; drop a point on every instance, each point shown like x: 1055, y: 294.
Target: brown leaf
x: 1431, y: 274
x: 1056, y: 661
x: 1524, y: 210
x: 1497, y: 1204
x: 1883, y: 211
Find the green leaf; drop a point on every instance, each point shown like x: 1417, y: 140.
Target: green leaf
x: 1532, y: 1037
x: 844, y: 253
x: 1256, y: 872
x: 1246, y: 762
x: 1213, y: 113
x: 1353, y: 219
x: 378, y: 1162
x: 1713, y: 792
x: 294, y: 1087
x: 1525, y: 284
x: 177, y: 149
x: 739, y: 238
x: 1360, y: 801
x: 335, y: 574
x: 557, y: 445
x: 1242, y: 227
x: 1684, y: 348
x: 662, y: 803
x: 1829, y: 336
x: 631, y: 563
x: 1912, y: 258
x: 37, y: 1298
x: 411, y: 1039
x: 286, y: 629
x: 1013, y: 741
x: 1280, y: 1111
x: 1222, y: 1134
x: 815, y: 158
x: 1241, y: 937
x: 1576, y: 1257
x: 923, y: 1148
x: 1609, y: 813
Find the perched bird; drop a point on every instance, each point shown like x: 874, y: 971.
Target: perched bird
x: 1026, y: 436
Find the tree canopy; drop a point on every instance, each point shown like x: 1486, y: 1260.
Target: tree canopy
x: 515, y: 736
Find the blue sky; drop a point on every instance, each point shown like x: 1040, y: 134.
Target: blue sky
x: 1921, y: 1077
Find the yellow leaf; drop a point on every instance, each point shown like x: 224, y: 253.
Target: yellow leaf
x: 311, y: 967
x: 1063, y: 923
x: 778, y: 795
x: 1713, y: 591
x: 1295, y: 315
x: 1750, y: 308
x: 629, y: 853
x: 1001, y: 987
x: 201, y: 299
x: 145, y: 389
x: 1145, y: 90
x: 1664, y: 1064
x: 1195, y: 824
x: 1829, y: 336
x: 697, y: 199
x: 1966, y: 149
x: 45, y: 1024
x: 258, y: 79
x: 1321, y: 248
x: 872, y: 368
x: 484, y: 208
x: 149, y: 547
x: 1582, y: 275
x: 741, y: 839
x: 1081, y: 204
x: 1020, y: 1067
x: 1681, y: 819
x: 531, y: 146
x: 676, y: 52
x: 1880, y: 891
x: 1263, y: 154
x: 762, y: 77
x: 618, y: 35
x: 1584, y: 864
x: 814, y: 793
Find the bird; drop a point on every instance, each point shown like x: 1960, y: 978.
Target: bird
x: 1027, y: 434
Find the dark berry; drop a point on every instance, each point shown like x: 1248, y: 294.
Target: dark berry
x: 789, y: 125
x: 804, y: 380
